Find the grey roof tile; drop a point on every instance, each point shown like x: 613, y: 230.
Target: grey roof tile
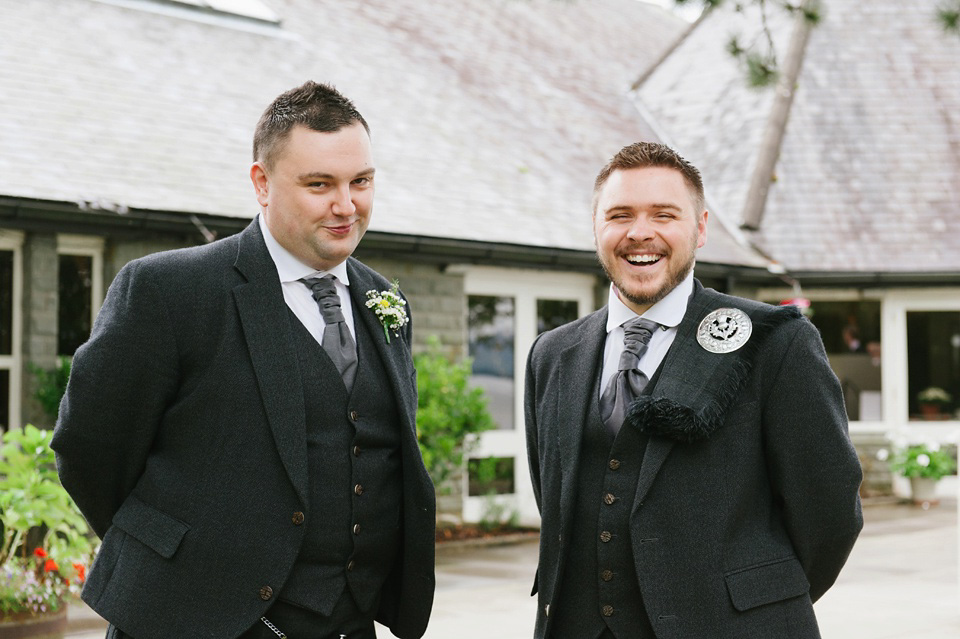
x: 490, y: 118
x: 868, y: 177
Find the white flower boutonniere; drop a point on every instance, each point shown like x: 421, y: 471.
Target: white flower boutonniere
x: 388, y: 305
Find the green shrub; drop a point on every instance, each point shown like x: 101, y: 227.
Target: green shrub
x: 448, y: 411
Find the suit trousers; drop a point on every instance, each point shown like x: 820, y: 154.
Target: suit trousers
x: 346, y: 622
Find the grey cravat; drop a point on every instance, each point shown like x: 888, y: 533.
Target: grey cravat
x: 629, y: 381
x: 337, y: 341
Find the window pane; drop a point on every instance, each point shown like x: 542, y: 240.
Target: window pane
x: 4, y: 399
x: 6, y: 302
x: 554, y: 313
x: 933, y: 364
x: 75, y: 302
x: 490, y: 476
x: 490, y: 329
x: 851, y: 335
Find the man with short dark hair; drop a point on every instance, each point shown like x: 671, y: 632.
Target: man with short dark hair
x: 240, y: 427
x: 688, y: 449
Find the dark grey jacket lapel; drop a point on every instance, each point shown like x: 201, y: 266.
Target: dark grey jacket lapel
x: 266, y: 327
x: 579, y: 371
x: 396, y: 354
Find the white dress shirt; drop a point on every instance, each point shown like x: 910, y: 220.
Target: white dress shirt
x: 668, y: 312
x: 296, y: 294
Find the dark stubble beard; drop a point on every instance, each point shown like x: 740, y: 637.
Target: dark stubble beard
x: 671, y: 283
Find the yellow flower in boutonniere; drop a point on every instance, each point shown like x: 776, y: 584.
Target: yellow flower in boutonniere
x: 388, y: 305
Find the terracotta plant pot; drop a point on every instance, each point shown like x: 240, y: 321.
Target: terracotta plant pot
x: 23, y: 625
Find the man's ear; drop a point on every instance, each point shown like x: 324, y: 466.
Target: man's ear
x: 702, y: 229
x: 261, y: 182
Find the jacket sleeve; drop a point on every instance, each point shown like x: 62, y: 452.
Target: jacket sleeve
x: 121, y: 381
x: 530, y: 422
x: 812, y: 463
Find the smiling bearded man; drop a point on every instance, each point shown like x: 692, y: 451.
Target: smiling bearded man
x: 688, y: 449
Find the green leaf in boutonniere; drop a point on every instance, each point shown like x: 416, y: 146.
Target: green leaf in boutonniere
x: 388, y: 305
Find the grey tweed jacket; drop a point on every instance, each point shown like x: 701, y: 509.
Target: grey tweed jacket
x: 182, y: 439
x: 747, y: 502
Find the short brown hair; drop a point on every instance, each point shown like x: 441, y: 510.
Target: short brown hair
x: 642, y: 155
x: 319, y: 107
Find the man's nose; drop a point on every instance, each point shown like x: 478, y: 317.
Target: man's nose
x: 343, y: 201
x: 641, y: 230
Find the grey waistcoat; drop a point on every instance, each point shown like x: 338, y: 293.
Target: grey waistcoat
x: 353, y: 451
x: 598, y: 587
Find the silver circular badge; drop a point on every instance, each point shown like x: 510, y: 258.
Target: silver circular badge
x: 724, y: 330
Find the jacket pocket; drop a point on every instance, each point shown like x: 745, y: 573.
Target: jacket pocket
x: 766, y: 583
x: 156, y: 530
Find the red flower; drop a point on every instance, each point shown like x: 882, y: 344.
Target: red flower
x: 50, y: 566
x: 40, y: 552
x: 81, y: 572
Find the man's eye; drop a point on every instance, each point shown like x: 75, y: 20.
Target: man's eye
x: 317, y: 185
x: 362, y: 180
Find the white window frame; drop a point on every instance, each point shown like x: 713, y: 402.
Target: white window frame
x: 525, y: 286
x: 13, y: 241
x: 86, y: 246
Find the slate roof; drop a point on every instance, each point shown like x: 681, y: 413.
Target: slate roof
x: 490, y: 118
x: 868, y: 175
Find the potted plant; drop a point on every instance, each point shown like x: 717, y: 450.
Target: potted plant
x: 933, y: 401
x: 45, y: 545
x: 924, y: 465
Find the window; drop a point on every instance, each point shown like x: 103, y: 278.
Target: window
x: 79, y: 289
x: 851, y: 336
x: 6, y: 333
x: 6, y: 302
x: 490, y: 476
x: 933, y: 365
x: 490, y: 330
x: 554, y: 313
x: 75, y: 302
x: 10, y: 337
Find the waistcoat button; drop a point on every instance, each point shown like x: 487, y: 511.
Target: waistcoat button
x: 614, y: 464
x: 606, y: 575
x: 266, y: 593
x: 350, y: 565
x: 358, y: 489
x: 607, y: 611
x: 356, y: 529
x: 354, y: 416
x: 297, y: 518
x: 605, y: 536
x: 608, y: 499
x: 356, y: 451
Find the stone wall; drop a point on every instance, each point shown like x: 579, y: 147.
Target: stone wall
x: 40, y: 295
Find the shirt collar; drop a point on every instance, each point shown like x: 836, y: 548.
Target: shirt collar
x: 289, y: 267
x: 668, y: 312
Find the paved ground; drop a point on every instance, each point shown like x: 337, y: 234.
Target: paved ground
x: 900, y: 583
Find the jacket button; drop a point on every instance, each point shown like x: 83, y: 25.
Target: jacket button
x: 297, y: 518
x: 356, y: 529
x: 608, y: 499
x: 546, y: 610
x: 356, y: 451
x: 605, y: 536
x: 614, y: 464
x: 606, y: 575
x: 354, y: 416
x: 358, y: 489
x: 350, y: 565
x: 266, y: 593
x: 607, y: 611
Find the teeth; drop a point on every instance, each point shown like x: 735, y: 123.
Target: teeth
x: 642, y: 259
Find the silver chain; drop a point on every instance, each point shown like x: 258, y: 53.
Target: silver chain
x: 276, y: 630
